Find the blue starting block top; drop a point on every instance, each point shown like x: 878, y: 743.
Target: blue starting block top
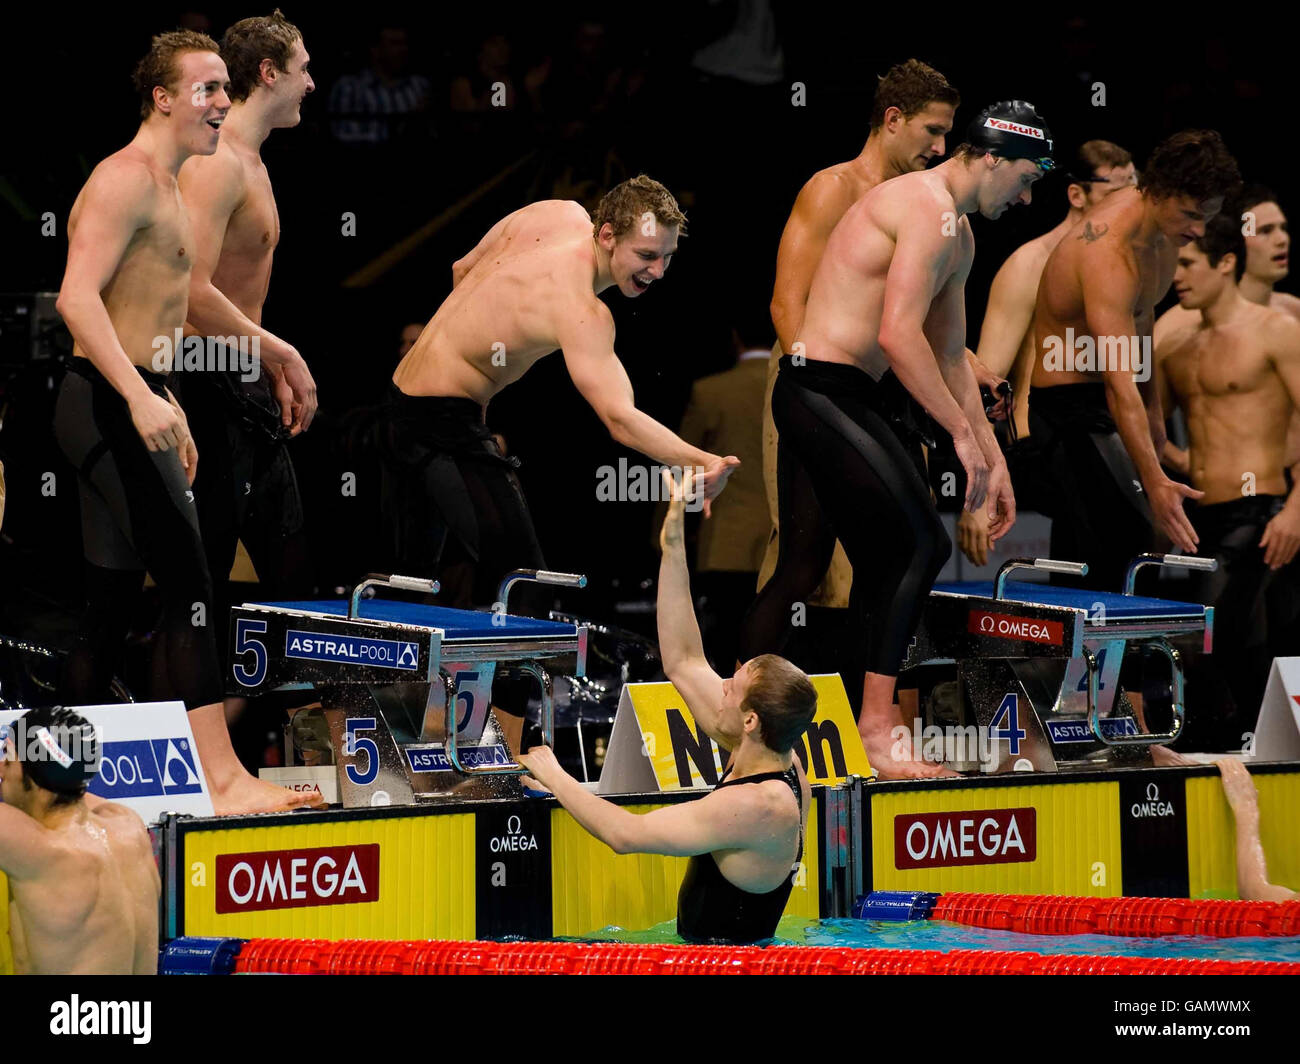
x: 456, y: 624
x: 1118, y: 607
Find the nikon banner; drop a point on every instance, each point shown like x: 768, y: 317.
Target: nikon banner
x: 657, y: 746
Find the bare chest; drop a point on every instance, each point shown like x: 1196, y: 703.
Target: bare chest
x: 254, y: 229
x: 1218, y: 364
x: 167, y: 243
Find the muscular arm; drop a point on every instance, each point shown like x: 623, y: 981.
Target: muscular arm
x: 1252, y: 869
x: 112, y: 210
x: 1009, y: 313
x: 1110, y: 288
x: 213, y: 189
x: 1281, y: 537
x: 586, y: 335
x: 724, y: 819
x: 1171, y: 454
x: 820, y: 205
x: 946, y: 331
x: 24, y: 845
x: 1284, y: 349
x: 680, y: 646
x: 910, y: 289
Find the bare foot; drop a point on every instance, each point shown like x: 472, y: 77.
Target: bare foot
x: 1163, y: 756
x: 248, y: 794
x: 892, y: 757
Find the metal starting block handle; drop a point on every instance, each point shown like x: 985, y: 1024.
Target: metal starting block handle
x: 1043, y: 565
x: 1177, y: 561
x: 403, y: 583
x: 539, y: 576
x: 514, y: 768
x: 1176, y: 673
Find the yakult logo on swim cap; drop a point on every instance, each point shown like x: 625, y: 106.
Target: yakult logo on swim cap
x: 46, y: 740
x: 1014, y: 127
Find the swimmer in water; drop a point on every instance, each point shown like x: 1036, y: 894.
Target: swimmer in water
x: 745, y: 838
x: 83, y: 885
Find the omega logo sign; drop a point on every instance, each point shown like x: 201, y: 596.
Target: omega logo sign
x: 1153, y: 806
x: 1005, y: 626
x: 514, y: 840
x: 989, y: 836
x: 291, y: 879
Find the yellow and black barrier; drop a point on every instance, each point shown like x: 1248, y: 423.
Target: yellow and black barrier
x: 1160, y: 832
x: 477, y: 870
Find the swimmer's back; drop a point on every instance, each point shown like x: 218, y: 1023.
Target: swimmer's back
x: 93, y: 907
x: 532, y: 267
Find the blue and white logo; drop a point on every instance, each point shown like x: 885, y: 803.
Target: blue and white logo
x: 352, y: 650
x: 142, y: 768
x: 434, y: 759
x: 1078, y: 731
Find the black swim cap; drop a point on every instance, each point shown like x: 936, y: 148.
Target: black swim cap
x: 1012, y: 129
x: 59, y: 749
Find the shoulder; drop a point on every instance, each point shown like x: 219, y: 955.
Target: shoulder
x: 560, y: 213
x: 576, y: 308
x: 1286, y: 303
x: 1028, y: 260
x: 776, y: 803
x: 125, y: 823
x: 124, y: 176
x: 224, y: 164
x: 770, y: 803
x: 828, y: 192
x: 1278, y: 327
x: 220, y: 177
x: 1173, y: 327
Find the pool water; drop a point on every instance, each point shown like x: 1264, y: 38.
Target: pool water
x: 937, y: 935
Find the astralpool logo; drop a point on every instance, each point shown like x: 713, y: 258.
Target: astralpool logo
x: 144, y: 768
x: 352, y: 650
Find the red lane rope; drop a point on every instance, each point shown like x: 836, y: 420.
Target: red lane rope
x: 1046, y: 914
x: 317, y: 957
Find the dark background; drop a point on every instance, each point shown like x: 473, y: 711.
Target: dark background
x: 621, y: 97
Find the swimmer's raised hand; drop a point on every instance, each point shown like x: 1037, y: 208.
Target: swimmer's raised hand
x: 673, y: 533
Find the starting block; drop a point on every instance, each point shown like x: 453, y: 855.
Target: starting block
x: 1038, y: 665
x: 386, y: 672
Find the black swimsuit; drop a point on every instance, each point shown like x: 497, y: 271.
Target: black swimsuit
x: 711, y: 908
x: 850, y: 467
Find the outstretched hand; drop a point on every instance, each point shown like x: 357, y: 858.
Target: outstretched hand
x: 673, y: 533
x: 714, y: 479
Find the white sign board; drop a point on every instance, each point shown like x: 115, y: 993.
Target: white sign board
x: 1277, y: 732
x: 147, y: 758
